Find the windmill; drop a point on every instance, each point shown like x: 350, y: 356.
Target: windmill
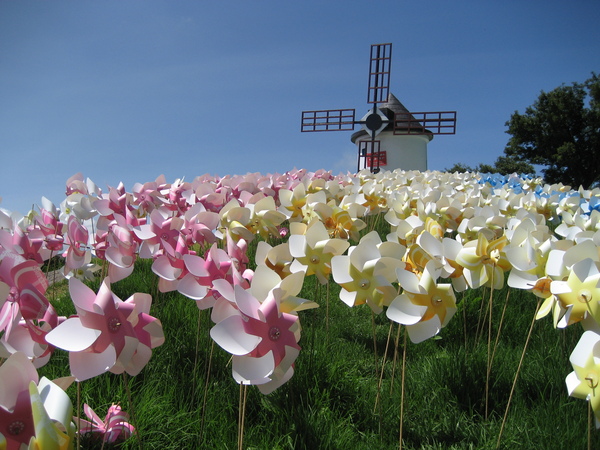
x: 392, y: 117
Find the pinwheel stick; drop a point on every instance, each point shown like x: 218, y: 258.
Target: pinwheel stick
x: 512, y: 389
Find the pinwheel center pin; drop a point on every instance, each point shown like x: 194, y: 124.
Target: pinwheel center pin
x: 16, y: 427
x: 592, y: 380
x: 13, y: 295
x: 584, y: 296
x: 314, y: 259
x: 274, y: 333
x: 364, y: 283
x: 436, y: 300
x: 543, y: 286
x: 114, y: 324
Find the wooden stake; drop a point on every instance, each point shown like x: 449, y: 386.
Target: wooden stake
x: 512, y: 390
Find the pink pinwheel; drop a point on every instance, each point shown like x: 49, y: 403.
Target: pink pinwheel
x: 17, y: 274
x: 32, y: 414
x: 199, y: 225
x: 109, y: 334
x: 161, y: 230
x: 31, y: 245
x: 147, y: 196
x: 28, y: 336
x: 15, y: 407
x: 200, y: 274
x: 262, y: 340
x: 170, y: 266
x: 51, y: 227
x: 113, y: 428
x: 116, y: 203
x: 77, y: 254
x: 121, y: 250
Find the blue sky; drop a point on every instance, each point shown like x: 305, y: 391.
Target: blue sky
x: 128, y: 90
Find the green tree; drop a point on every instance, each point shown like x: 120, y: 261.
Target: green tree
x: 560, y: 131
x: 504, y: 165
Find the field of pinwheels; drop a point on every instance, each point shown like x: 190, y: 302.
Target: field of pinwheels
x: 303, y: 310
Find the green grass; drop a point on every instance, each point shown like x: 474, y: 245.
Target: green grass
x: 187, y: 398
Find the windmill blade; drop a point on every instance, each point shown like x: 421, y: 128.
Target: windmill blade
x: 328, y: 120
x: 379, y: 73
x: 432, y: 122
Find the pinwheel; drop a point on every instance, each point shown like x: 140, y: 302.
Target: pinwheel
x: 17, y: 275
x: 262, y: 340
x: 278, y: 258
x: 199, y: 225
x: 30, y: 246
x: 32, y: 414
x: 313, y: 249
x: 146, y: 196
x: 484, y: 261
x: 235, y: 222
x: 50, y: 226
x: 116, y: 202
x: 265, y: 218
x: 292, y: 202
x: 200, y: 274
x: 78, y: 253
x: 579, y: 295
x: 365, y: 275
x: 115, y: 426
x: 424, y: 306
x: 109, y: 334
x: 162, y: 230
x: 267, y: 283
x: 338, y: 221
x: 121, y: 249
x: 584, y: 381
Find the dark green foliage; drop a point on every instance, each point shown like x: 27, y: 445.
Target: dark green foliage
x: 561, y: 131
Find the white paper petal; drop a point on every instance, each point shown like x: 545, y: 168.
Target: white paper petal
x: 72, y: 336
x: 230, y: 335
x: 86, y: 365
x: 403, y: 311
x: 249, y: 369
x: 424, y: 330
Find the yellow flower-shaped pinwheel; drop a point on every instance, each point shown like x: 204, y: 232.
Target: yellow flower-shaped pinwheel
x: 424, y: 306
x: 235, y: 221
x: 339, y: 222
x: 365, y: 274
x: 584, y: 381
x: 484, y: 262
x: 579, y: 296
x: 313, y: 249
x: 265, y: 218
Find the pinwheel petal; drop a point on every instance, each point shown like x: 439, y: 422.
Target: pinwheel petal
x: 230, y: 335
x: 72, y: 336
x: 86, y: 365
x: 253, y: 370
x: 403, y: 311
x: 422, y: 331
